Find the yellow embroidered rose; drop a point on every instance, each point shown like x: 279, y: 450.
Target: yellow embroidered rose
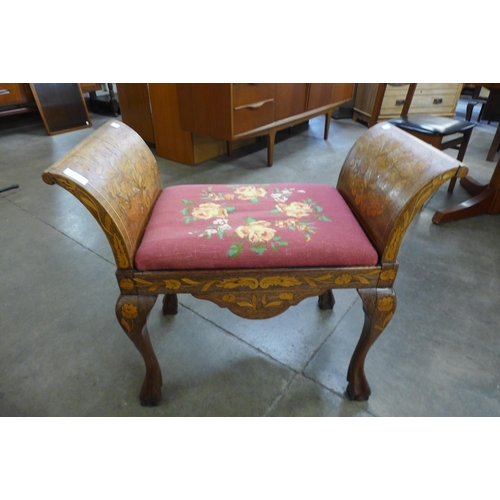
x: 257, y: 232
x: 295, y: 209
x: 209, y: 211
x: 250, y: 192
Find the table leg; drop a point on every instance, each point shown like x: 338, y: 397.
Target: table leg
x: 485, y: 200
x: 494, y: 145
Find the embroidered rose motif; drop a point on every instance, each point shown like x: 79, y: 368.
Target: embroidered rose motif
x: 256, y: 232
x: 250, y: 192
x: 209, y: 211
x: 295, y: 209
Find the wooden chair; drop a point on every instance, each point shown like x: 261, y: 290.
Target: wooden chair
x: 254, y: 249
x: 430, y: 128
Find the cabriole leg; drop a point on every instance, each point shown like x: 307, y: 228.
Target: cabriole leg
x: 132, y: 312
x: 379, y: 306
x: 170, y: 305
x: 326, y: 300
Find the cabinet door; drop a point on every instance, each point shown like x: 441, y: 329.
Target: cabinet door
x: 320, y: 94
x: 289, y: 100
x: 342, y: 92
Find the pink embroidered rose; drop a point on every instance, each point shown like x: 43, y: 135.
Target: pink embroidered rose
x: 209, y: 211
x: 295, y: 209
x: 250, y: 192
x: 257, y: 232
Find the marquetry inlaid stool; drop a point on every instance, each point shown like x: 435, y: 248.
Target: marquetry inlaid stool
x: 254, y: 249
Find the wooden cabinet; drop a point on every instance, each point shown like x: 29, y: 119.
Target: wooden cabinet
x: 14, y: 94
x: 430, y: 98
x: 232, y: 111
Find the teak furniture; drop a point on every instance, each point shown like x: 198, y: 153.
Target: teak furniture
x: 192, y: 123
x: 232, y: 111
x: 438, y: 99
x: 254, y: 249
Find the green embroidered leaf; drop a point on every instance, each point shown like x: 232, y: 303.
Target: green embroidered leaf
x: 325, y: 218
x: 235, y: 249
x: 187, y: 220
x: 254, y: 200
x: 260, y: 249
x: 291, y: 227
x: 318, y: 209
x: 250, y: 219
x: 220, y: 232
x: 230, y: 209
x: 187, y: 202
x: 185, y: 211
x: 275, y: 211
x: 283, y: 243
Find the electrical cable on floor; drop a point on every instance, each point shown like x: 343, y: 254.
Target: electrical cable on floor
x: 14, y: 186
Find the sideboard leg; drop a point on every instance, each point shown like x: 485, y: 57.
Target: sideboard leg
x: 270, y: 147
x: 132, y: 312
x: 379, y: 306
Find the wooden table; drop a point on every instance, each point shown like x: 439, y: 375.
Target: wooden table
x: 485, y: 197
x: 485, y: 200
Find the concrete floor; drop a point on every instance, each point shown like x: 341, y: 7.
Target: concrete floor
x: 62, y: 352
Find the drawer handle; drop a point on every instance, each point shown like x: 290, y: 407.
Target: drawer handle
x: 437, y: 101
x: 4, y: 91
x: 256, y: 105
x: 400, y: 102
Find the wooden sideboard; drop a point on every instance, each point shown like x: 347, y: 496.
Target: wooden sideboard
x: 430, y: 98
x: 232, y: 111
x: 191, y: 123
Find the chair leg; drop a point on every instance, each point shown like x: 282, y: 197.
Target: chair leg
x: 460, y: 156
x: 170, y: 305
x: 132, y: 312
x: 326, y: 300
x: 379, y: 305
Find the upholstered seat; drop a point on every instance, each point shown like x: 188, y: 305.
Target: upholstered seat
x: 252, y: 226
x: 433, y: 125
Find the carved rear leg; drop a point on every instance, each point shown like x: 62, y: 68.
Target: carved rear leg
x: 170, y: 305
x: 326, y: 300
x: 132, y: 312
x: 379, y: 306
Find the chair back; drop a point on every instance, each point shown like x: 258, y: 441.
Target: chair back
x: 386, y: 179
x: 115, y: 175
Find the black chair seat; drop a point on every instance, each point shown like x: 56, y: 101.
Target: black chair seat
x: 432, y: 125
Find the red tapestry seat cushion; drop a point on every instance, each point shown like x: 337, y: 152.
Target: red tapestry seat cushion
x: 252, y: 226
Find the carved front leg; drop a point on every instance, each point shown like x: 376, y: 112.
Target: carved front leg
x: 379, y: 306
x: 132, y: 312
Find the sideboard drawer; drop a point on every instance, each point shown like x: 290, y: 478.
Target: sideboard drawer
x: 251, y: 116
x: 10, y: 93
x: 249, y: 93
